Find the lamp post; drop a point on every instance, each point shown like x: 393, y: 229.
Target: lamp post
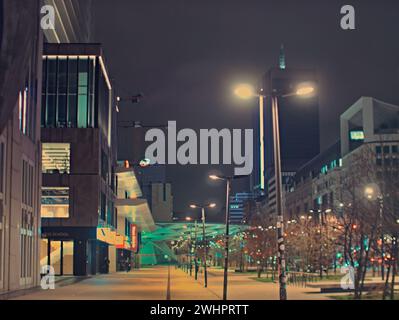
x: 227, y: 219
x: 190, y: 244
x: 372, y: 192
x: 211, y: 205
x: 247, y: 92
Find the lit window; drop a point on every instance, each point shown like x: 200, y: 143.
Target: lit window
x: 56, y: 157
x: 55, y: 202
x: 23, y: 109
x: 357, y: 135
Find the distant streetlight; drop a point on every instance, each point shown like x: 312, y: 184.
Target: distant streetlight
x: 226, y: 247
x: 211, y: 205
x: 246, y: 91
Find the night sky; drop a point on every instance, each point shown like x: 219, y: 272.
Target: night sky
x: 186, y: 56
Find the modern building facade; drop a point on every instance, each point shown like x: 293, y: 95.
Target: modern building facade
x: 20, y: 87
x: 237, y: 206
x: 134, y: 218
x: 73, y: 22
x: 21, y: 47
x: 78, y: 160
x: 92, y: 209
x: 369, y: 138
x: 314, y: 186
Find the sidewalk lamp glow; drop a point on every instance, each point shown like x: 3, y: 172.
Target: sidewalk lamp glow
x: 188, y: 218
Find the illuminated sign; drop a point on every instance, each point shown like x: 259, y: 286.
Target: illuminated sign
x: 135, y: 238
x: 119, y: 241
x: 357, y: 135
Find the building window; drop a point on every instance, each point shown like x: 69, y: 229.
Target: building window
x: 104, y: 166
x: 56, y: 158
x: 26, y: 240
x: 27, y: 224
x: 103, y: 206
x: 27, y: 184
x: 55, y: 202
x: 394, y: 149
x: 68, y: 92
x: 83, y: 83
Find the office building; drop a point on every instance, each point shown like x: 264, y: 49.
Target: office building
x: 20, y: 148
x: 20, y: 86
x: 368, y: 147
x: 237, y: 205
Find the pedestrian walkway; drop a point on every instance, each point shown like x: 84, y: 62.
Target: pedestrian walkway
x: 143, y: 284
x: 159, y: 283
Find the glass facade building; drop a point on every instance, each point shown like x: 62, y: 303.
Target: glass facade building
x: 68, y: 93
x: 78, y: 129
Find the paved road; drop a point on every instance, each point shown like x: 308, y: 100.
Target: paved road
x: 152, y: 284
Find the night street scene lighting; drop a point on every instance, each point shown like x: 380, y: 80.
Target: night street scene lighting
x: 184, y: 158
x: 245, y: 91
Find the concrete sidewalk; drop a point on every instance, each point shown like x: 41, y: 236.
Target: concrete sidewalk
x: 143, y: 284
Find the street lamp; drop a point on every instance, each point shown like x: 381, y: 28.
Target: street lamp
x: 226, y: 247
x: 372, y: 193
x: 211, y: 205
x: 190, y: 245
x: 246, y: 92
x: 133, y: 99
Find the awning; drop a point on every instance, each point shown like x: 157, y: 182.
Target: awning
x: 137, y: 211
x: 129, y: 202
